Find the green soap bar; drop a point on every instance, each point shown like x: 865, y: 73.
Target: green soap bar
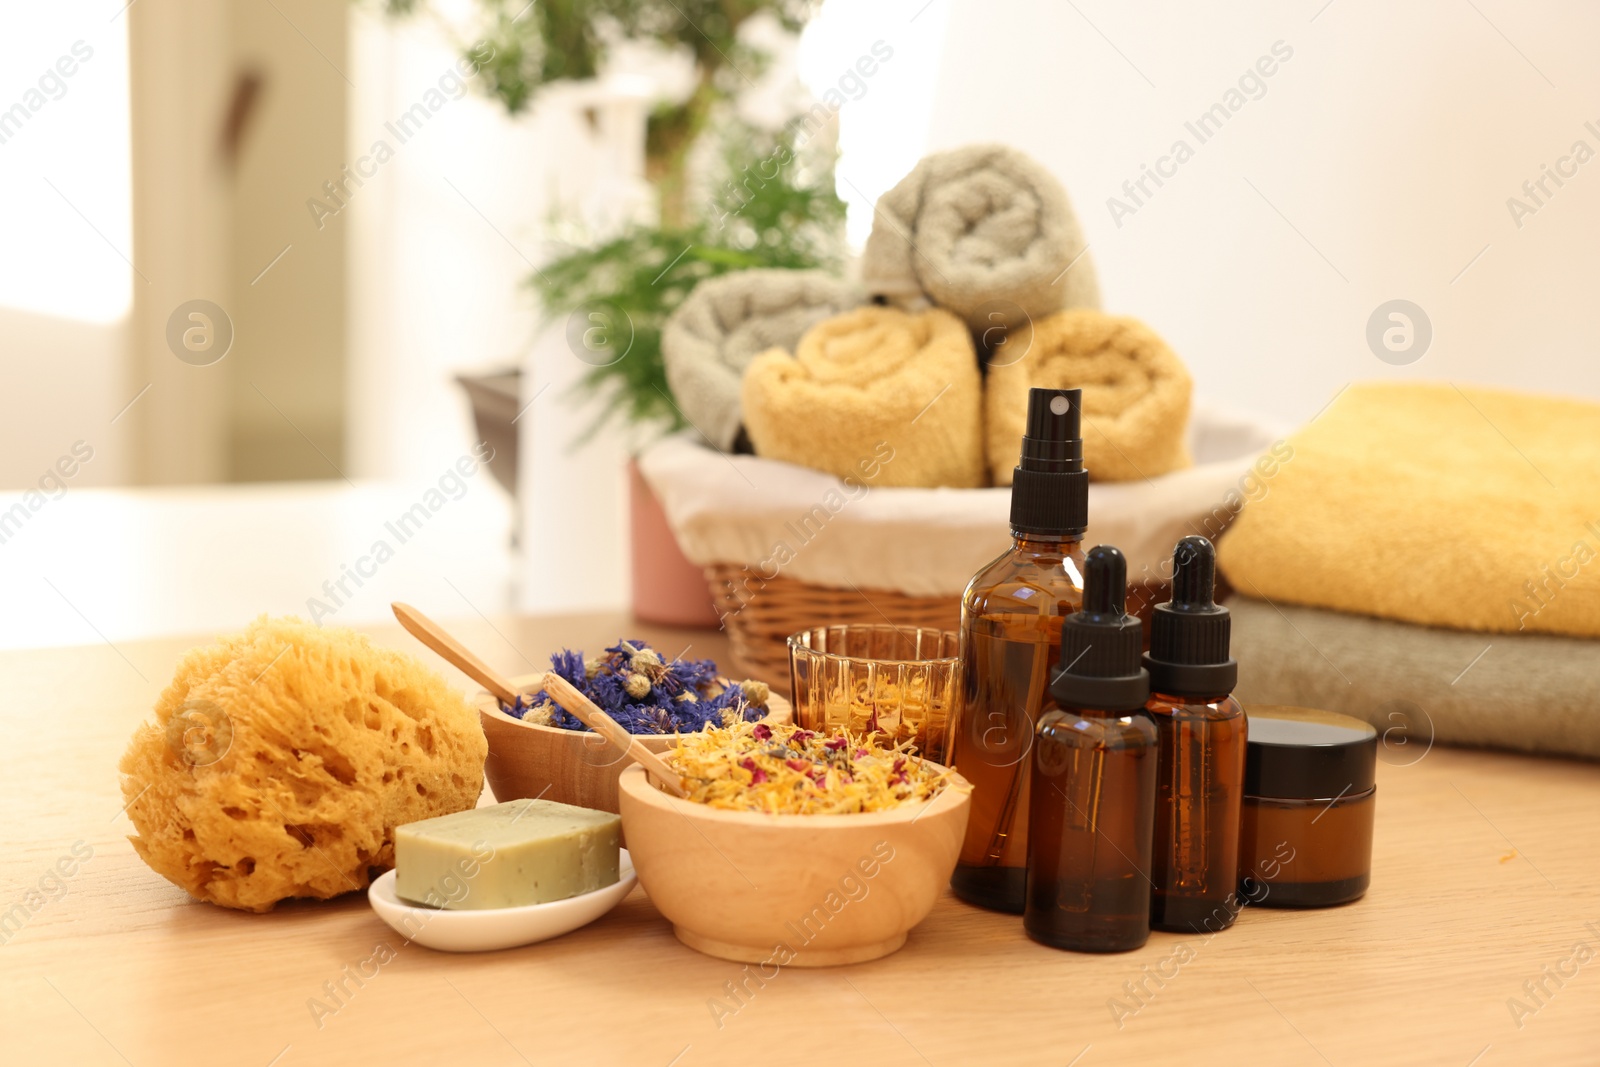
x: 506, y: 855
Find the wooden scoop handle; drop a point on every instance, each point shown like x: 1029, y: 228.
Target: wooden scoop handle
x: 433, y: 635
x: 587, y: 711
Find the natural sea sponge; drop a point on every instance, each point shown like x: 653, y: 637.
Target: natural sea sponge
x: 282, y: 758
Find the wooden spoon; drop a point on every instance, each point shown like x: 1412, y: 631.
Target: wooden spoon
x: 433, y: 635
x: 587, y: 711
x: 594, y: 717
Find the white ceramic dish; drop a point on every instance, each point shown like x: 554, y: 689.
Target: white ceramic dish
x: 495, y: 928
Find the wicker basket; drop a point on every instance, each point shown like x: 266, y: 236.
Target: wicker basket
x: 759, y: 620
x: 760, y: 615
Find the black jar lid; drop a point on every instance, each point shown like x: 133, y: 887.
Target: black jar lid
x: 1307, y: 754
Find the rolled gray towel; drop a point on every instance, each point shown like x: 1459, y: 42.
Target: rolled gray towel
x: 1417, y: 684
x: 983, y: 231
x: 726, y: 322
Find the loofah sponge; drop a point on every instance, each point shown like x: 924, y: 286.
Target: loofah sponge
x: 282, y: 758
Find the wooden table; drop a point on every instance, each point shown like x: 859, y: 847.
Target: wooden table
x: 1487, y: 870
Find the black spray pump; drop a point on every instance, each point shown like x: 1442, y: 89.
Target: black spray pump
x: 1100, y: 645
x: 1189, y: 634
x: 1050, y: 488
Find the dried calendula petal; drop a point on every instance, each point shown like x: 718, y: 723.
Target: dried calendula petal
x: 781, y: 769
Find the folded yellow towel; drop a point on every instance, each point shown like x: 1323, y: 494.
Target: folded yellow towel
x: 1135, y: 393
x: 896, y: 391
x: 1469, y: 508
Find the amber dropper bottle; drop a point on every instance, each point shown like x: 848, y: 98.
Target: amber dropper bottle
x: 1094, y: 779
x: 1200, y: 742
x: 1011, y: 617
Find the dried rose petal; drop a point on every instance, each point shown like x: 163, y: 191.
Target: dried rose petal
x: 800, y: 765
x: 834, y: 744
x: 757, y: 776
x: 762, y: 731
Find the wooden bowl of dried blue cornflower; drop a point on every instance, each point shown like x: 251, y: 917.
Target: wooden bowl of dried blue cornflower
x: 537, y: 749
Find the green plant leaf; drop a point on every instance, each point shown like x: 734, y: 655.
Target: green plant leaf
x: 792, y: 220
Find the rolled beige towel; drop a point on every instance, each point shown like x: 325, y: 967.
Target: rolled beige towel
x: 1136, y: 394
x: 877, y: 388
x: 984, y: 231
x: 721, y: 326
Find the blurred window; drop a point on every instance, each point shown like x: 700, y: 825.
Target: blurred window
x: 66, y: 231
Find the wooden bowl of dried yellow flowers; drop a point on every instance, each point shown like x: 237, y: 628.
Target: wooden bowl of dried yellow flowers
x: 538, y: 750
x: 794, y: 848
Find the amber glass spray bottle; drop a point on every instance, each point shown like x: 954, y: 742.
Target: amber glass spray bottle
x: 1200, y: 742
x: 1094, y: 779
x: 1011, y: 617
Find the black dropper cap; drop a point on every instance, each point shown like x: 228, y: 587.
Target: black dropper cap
x: 1050, y: 488
x: 1189, y: 634
x: 1100, y: 645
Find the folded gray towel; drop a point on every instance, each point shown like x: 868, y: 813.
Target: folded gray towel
x: 983, y: 231
x: 726, y: 322
x: 1529, y: 692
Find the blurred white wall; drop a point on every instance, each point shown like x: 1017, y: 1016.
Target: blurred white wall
x: 1376, y: 164
x: 886, y: 116
x: 442, y: 241
x: 433, y: 286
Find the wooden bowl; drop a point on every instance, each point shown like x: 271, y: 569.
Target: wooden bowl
x: 792, y: 890
x: 527, y: 760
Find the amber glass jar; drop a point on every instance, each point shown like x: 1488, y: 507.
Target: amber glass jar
x: 1310, y: 793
